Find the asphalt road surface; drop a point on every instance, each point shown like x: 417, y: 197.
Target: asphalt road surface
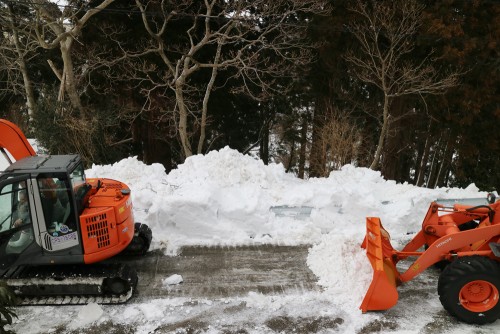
x: 222, y: 274
x: 216, y: 272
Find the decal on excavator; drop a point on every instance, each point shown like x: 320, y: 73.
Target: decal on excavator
x: 64, y: 238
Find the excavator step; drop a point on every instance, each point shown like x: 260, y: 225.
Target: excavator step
x: 495, y: 247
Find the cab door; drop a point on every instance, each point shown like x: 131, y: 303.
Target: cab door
x: 16, y: 219
x: 57, y: 225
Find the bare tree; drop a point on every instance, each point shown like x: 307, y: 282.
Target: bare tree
x: 53, y: 29
x: 385, y: 32
x: 339, y: 142
x: 42, y: 24
x: 15, y: 52
x: 258, y: 41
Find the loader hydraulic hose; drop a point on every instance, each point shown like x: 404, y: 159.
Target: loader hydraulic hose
x: 491, y: 212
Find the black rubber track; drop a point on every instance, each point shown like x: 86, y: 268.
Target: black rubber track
x: 73, y: 284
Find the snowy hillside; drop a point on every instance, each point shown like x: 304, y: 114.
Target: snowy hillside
x: 226, y: 198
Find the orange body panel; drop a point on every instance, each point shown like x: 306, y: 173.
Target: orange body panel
x: 107, y: 224
x: 14, y: 141
x: 444, y: 239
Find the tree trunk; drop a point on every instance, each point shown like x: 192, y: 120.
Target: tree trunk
x: 420, y: 153
x: 303, y: 148
x: 317, y: 156
x: 445, y: 163
x: 383, y: 134
x: 208, y: 90
x: 292, y: 155
x: 393, y: 151
x: 425, y: 158
x: 423, y: 162
x: 183, y: 118
x: 68, y: 82
x: 264, y: 138
x: 434, y: 165
x: 28, y: 87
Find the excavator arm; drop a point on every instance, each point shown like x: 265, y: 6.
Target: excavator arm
x: 13, y: 140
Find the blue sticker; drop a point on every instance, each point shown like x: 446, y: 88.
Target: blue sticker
x: 64, y: 229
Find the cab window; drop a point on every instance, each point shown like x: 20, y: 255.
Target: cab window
x: 16, y: 228
x: 55, y: 196
x: 6, y: 204
x: 78, y: 177
x: 80, y: 187
x: 14, y: 206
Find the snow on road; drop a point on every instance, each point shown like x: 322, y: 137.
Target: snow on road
x: 226, y: 198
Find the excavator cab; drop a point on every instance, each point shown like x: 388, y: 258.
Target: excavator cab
x: 59, y: 230
x: 47, y: 217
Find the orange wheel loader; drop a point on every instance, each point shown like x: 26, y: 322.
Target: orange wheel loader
x: 463, y: 236
x: 57, y: 228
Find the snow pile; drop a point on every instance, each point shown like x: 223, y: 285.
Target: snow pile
x: 225, y: 197
x: 341, y: 265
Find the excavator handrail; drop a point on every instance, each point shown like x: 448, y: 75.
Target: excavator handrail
x: 14, y: 141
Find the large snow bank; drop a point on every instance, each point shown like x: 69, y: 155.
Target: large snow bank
x: 227, y: 198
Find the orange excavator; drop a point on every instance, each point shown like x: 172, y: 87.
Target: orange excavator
x: 461, y: 236
x: 59, y: 229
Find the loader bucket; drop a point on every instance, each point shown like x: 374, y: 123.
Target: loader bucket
x: 382, y: 293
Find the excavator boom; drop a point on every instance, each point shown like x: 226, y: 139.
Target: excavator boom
x: 13, y: 140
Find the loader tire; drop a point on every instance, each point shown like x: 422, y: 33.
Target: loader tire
x: 469, y: 289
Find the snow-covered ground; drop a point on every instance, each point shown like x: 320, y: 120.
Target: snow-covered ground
x: 226, y: 198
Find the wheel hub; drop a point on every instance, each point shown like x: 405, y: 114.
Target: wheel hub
x: 478, y: 296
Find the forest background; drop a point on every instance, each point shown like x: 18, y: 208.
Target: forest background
x: 409, y: 88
